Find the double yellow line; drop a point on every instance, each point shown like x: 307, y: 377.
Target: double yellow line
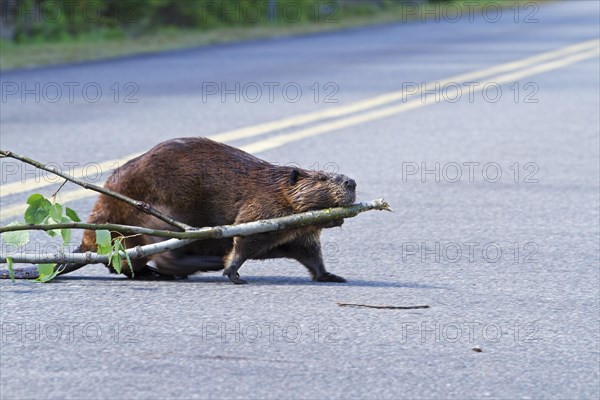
x: 340, y: 117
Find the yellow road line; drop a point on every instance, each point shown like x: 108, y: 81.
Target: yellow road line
x: 396, y: 95
x: 363, y: 105
x: 281, y: 140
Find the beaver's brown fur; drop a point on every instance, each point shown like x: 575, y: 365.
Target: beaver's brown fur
x: 205, y: 183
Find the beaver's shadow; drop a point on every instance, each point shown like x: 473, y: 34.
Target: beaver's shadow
x: 260, y: 281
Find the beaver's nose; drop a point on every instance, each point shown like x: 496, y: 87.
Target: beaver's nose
x: 350, y: 183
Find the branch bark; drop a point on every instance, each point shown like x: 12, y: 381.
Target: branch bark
x: 183, y: 238
x: 140, y: 205
x: 96, y: 227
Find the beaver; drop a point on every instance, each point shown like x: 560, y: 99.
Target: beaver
x: 205, y: 183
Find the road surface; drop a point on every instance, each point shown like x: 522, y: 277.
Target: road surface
x: 492, y: 169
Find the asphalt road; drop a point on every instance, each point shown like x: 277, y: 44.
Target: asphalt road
x: 509, y: 264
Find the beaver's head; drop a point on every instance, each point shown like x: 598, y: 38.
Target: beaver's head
x: 313, y: 190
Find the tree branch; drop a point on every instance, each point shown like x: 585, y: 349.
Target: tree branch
x: 140, y: 205
x: 96, y: 227
x: 226, y: 231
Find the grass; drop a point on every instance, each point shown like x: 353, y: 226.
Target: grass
x: 98, y: 47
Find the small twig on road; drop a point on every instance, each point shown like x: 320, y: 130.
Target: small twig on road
x: 382, y: 307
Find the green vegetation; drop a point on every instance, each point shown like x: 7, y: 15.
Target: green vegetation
x: 39, y: 32
x: 42, y: 211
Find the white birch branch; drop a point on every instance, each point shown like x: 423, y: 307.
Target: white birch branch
x: 219, y: 232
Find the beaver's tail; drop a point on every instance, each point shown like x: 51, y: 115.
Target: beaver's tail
x: 33, y: 273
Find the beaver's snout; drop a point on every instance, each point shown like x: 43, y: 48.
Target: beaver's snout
x: 350, y: 198
x: 349, y: 186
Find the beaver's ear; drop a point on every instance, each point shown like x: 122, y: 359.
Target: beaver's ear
x: 294, y: 177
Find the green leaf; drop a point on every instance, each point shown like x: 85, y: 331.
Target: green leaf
x: 16, y: 238
x: 115, y: 261
x: 56, y: 212
x: 38, y: 210
x: 127, y: 258
x: 53, y: 232
x: 72, y: 215
x: 65, y: 233
x: 11, y: 271
x: 35, y: 215
x: 46, y: 269
x: 66, y: 236
x: 103, y: 241
x: 47, y: 272
x: 35, y: 199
